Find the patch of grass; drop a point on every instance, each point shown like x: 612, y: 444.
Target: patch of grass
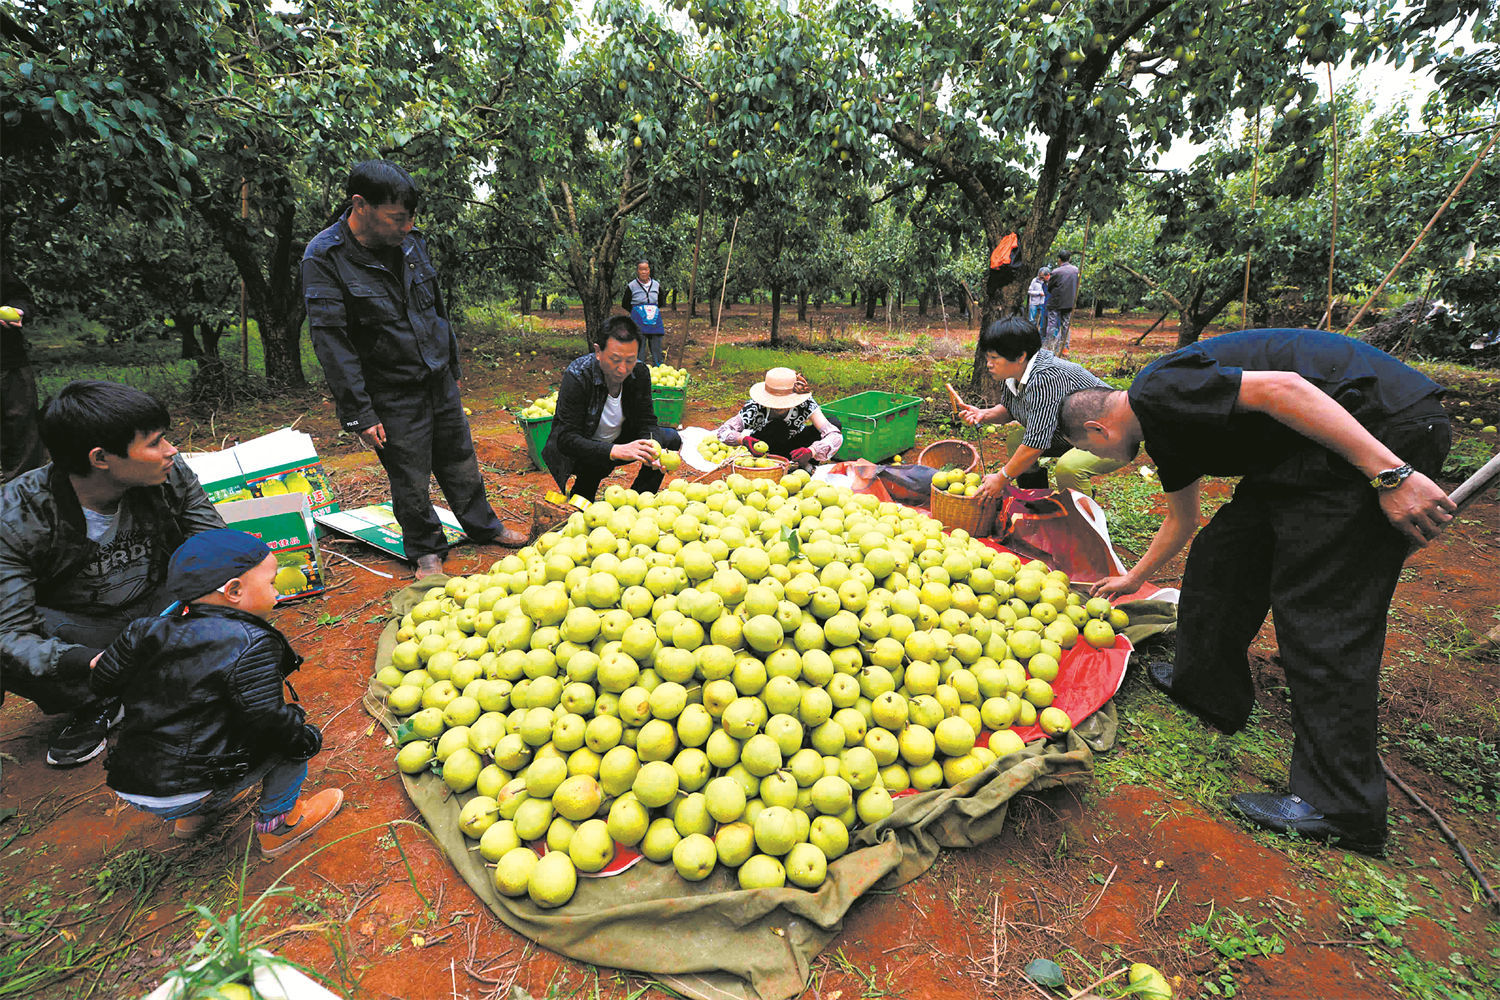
x: 1163, y: 746
x: 873, y: 984
x: 1235, y: 937
x: 135, y: 872
x: 28, y: 918
x: 1375, y: 905
x: 1468, y: 454
x: 1448, y: 634
x: 71, y: 347
x: 1469, y: 763
x: 1128, y: 499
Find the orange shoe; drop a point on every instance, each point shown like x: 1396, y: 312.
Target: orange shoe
x: 192, y: 827
x: 296, y: 826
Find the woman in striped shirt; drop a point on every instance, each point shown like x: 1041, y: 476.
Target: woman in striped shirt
x: 1033, y: 384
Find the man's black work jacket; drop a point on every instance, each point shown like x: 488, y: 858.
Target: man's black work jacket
x: 202, y: 694
x: 580, y: 402
x: 45, y: 553
x: 371, y: 326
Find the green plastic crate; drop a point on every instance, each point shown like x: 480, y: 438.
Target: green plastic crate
x: 669, y: 404
x: 876, y: 424
x: 536, y: 431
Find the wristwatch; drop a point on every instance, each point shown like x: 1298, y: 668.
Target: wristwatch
x: 1391, y: 478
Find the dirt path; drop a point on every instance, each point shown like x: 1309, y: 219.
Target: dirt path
x: 1136, y: 868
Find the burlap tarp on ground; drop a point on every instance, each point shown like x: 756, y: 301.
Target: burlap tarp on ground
x: 713, y: 940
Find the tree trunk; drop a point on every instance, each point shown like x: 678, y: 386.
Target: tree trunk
x: 597, y: 303
x: 854, y: 298
x: 922, y: 303
x: 870, y: 298
x: 1193, y: 320
x: 185, y: 326
x: 523, y: 300
x: 802, y: 304
x: 211, y: 334
x: 775, y: 315
x: 279, y: 338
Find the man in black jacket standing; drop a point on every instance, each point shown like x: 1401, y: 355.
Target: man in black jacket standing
x: 605, y: 417
x: 382, y: 334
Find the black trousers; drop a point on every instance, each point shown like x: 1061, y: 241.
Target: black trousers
x: 426, y: 437
x: 777, y: 436
x: 21, y: 448
x: 588, y: 475
x: 66, y: 689
x: 1315, y: 549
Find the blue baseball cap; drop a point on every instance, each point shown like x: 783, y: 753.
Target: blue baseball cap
x: 210, y: 559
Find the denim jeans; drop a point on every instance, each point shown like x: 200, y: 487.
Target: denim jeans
x: 652, y: 343
x: 1057, y: 336
x: 280, y: 784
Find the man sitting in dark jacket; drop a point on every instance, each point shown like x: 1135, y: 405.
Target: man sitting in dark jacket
x: 84, y: 544
x: 605, y: 417
x: 204, y: 717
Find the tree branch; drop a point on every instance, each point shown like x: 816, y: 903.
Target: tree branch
x: 1157, y: 286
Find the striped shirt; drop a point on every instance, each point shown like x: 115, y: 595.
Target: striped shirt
x: 1037, y: 400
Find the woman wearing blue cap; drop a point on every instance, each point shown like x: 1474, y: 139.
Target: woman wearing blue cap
x: 204, y: 715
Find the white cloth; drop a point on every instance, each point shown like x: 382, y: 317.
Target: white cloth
x: 611, y: 420
x: 163, y: 801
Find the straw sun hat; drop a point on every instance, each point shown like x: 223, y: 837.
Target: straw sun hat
x: 777, y: 392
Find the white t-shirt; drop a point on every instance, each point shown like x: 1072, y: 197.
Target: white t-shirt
x: 100, y: 527
x: 611, y: 419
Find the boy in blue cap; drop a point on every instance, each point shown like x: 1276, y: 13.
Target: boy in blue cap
x: 201, y: 687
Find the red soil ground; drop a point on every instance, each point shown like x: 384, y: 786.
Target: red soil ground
x: 1095, y: 875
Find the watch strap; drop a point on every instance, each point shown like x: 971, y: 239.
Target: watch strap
x: 1389, y: 479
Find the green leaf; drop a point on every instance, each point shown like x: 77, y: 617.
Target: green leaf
x: 1045, y: 972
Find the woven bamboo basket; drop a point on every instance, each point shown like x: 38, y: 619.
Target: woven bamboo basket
x: 950, y: 452
x: 774, y: 472
x: 976, y: 515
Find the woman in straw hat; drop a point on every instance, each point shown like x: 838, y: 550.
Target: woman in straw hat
x: 783, y: 416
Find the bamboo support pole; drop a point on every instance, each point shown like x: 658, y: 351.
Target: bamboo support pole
x: 1426, y: 229
x: 714, y: 354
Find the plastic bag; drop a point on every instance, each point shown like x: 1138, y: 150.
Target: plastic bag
x: 1063, y: 528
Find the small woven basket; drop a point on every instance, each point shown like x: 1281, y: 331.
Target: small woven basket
x: 950, y: 453
x: 976, y: 515
x: 774, y: 472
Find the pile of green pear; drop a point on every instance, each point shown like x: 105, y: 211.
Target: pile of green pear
x: 735, y: 674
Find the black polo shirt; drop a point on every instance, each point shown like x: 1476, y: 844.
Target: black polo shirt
x: 1186, y: 402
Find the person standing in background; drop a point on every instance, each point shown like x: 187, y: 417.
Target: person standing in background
x: 643, y: 299
x: 1036, y: 298
x: 1062, y: 296
x: 21, y: 448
